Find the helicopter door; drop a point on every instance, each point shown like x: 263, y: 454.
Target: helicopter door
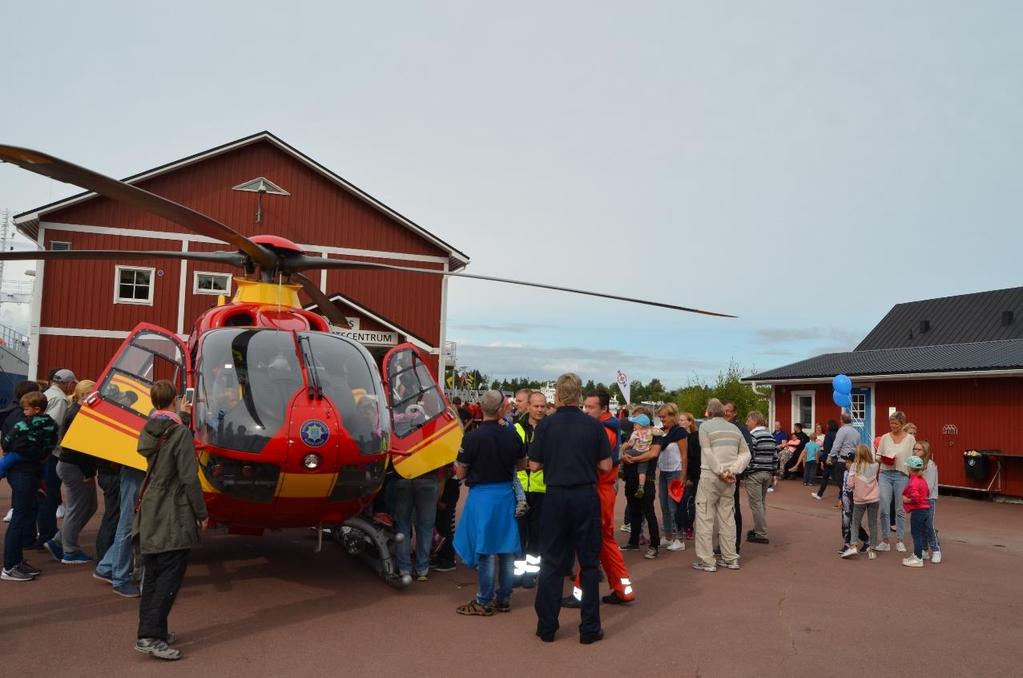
x: 108, y: 424
x: 426, y: 434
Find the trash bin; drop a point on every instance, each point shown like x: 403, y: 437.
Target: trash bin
x: 976, y: 465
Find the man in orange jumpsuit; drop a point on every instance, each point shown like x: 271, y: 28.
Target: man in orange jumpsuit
x: 596, y: 405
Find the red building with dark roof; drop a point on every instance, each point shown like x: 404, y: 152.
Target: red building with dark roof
x: 954, y: 365
x: 257, y: 185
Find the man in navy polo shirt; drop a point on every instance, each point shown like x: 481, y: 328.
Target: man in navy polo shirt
x: 571, y: 447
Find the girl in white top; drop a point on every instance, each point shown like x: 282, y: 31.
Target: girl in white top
x: 922, y: 449
x: 895, y: 448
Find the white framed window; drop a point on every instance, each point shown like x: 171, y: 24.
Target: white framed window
x: 59, y: 246
x: 211, y: 283
x: 803, y: 407
x: 134, y: 285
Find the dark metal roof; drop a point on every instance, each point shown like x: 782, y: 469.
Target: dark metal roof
x: 963, y: 357
x: 949, y: 320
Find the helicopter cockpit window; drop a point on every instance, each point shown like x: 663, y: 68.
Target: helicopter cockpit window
x: 148, y: 358
x: 349, y: 379
x: 246, y: 378
x: 415, y: 399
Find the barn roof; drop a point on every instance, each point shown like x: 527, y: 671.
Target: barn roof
x: 950, y: 320
x: 967, y: 333
x: 983, y: 356
x: 28, y: 222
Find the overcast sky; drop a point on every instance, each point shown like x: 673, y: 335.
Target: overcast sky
x: 804, y: 165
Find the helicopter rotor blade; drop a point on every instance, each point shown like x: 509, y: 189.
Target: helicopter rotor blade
x: 61, y: 170
x: 327, y: 308
x: 305, y: 263
x: 230, y: 258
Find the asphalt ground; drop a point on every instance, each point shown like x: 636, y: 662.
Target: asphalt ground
x: 271, y: 607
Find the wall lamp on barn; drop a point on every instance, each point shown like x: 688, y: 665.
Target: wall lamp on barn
x: 260, y: 186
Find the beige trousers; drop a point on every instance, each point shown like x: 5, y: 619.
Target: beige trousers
x: 715, y: 499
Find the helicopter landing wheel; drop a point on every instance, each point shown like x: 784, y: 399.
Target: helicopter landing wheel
x: 374, y: 545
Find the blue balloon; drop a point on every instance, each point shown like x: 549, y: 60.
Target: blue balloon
x: 842, y: 384
x: 842, y: 399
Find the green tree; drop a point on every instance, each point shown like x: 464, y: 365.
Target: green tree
x: 729, y: 386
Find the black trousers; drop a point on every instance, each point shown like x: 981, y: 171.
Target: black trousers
x: 530, y: 524
x: 445, y: 522
x: 110, y: 483
x: 642, y: 508
x: 569, y: 531
x: 738, y: 518
x: 161, y: 580
x: 833, y: 472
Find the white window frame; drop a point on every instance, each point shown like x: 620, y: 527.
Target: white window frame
x: 195, y: 283
x: 60, y: 245
x: 135, y: 302
x: 807, y: 425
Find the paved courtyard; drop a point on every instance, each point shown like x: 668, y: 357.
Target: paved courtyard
x: 271, y: 607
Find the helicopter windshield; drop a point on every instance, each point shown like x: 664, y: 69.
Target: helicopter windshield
x: 246, y: 378
x: 349, y: 378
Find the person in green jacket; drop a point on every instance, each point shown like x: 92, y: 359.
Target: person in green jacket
x: 171, y: 513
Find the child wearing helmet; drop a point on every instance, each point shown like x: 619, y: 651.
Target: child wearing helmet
x: 640, y: 441
x: 916, y: 502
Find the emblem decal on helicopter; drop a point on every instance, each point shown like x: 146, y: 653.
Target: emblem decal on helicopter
x: 314, y: 433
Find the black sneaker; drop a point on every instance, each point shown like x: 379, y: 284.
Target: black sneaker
x: 26, y: 568
x: 503, y: 606
x: 14, y: 574
x: 442, y: 566
x: 629, y: 547
x: 589, y: 640
x: 613, y: 599
x: 570, y: 602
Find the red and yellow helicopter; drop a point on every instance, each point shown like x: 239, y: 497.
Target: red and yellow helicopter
x: 294, y: 425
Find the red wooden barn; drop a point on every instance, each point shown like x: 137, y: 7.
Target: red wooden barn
x: 954, y: 365
x: 257, y: 185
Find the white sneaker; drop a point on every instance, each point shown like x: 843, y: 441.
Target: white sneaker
x: 625, y: 528
x: 60, y: 512
x: 770, y: 489
x: 882, y: 547
x: 936, y: 557
x: 850, y: 552
x: 913, y: 561
x: 677, y: 546
x: 7, y: 518
x: 816, y: 496
x: 901, y: 548
x: 871, y: 554
x: 665, y: 542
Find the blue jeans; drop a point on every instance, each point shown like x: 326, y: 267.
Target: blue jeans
x: 669, y: 508
x: 932, y: 533
x: 809, y: 472
x: 891, y: 484
x: 418, y: 496
x: 23, y: 501
x: 918, y: 525
x: 118, y: 559
x: 485, y: 576
x: 46, y: 518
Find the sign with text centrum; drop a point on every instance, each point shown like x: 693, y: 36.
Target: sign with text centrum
x: 369, y: 337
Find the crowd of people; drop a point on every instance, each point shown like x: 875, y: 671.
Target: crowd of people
x: 156, y: 514
x: 542, y: 479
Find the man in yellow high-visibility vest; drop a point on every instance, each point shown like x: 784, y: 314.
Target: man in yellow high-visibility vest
x: 527, y: 565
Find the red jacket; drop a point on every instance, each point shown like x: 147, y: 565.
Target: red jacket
x: 918, y: 494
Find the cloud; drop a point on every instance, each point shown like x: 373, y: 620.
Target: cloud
x: 842, y: 338
x: 509, y: 361
x: 513, y: 328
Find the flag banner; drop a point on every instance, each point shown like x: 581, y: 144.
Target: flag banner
x: 623, y: 385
